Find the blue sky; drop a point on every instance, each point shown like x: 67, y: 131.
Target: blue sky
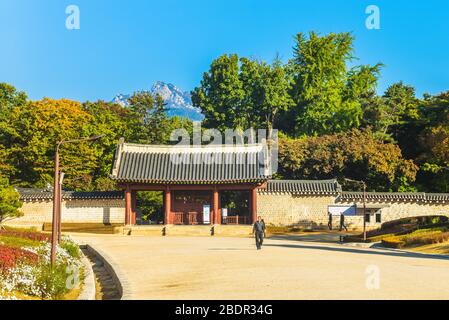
x: 124, y: 46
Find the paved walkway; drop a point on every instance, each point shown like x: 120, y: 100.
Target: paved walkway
x: 231, y: 268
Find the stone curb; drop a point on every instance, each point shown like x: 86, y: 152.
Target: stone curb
x: 88, y: 291
x: 378, y: 246
x: 112, y: 267
x: 433, y: 255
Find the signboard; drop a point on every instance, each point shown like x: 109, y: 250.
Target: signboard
x: 224, y: 212
x: 349, y: 210
x: 206, y: 213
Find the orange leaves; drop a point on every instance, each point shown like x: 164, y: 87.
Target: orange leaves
x: 356, y: 154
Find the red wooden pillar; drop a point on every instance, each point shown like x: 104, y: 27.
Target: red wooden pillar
x: 217, y: 216
x: 167, y: 203
x: 254, y: 205
x: 127, y: 205
x: 133, y: 206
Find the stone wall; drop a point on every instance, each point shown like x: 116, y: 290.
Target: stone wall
x: 282, y: 209
x: 286, y: 209
x: 310, y: 211
x: 402, y: 209
x: 36, y: 213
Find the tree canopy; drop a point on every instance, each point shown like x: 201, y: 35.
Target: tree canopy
x: 333, y: 122
x: 29, y: 131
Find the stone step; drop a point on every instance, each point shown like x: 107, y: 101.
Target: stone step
x: 190, y: 230
x: 233, y: 230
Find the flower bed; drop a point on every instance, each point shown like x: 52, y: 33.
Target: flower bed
x: 31, y: 235
x: 10, y: 257
x: 27, y: 271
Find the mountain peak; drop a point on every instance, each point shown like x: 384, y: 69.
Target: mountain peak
x: 178, y: 102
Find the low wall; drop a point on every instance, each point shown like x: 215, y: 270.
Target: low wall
x: 309, y: 211
x: 287, y: 209
x: 402, y: 209
x: 36, y: 213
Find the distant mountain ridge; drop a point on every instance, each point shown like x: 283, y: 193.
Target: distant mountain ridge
x: 179, y: 103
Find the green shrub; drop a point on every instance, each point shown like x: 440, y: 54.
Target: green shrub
x: 393, y: 242
x: 72, y: 249
x: 423, y: 238
x: 418, y: 237
x: 51, y: 281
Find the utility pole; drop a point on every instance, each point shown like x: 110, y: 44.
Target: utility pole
x: 57, y: 197
x: 364, y: 204
x: 364, y: 211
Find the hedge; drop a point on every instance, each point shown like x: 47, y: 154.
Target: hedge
x: 419, y: 237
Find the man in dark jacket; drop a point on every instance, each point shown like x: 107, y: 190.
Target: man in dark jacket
x: 342, y: 222
x: 259, y: 230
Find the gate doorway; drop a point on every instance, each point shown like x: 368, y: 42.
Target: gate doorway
x: 149, y: 207
x: 235, y: 207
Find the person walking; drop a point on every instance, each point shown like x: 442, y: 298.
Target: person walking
x: 258, y: 231
x: 329, y: 224
x: 342, y: 222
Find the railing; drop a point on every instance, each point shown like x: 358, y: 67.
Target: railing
x: 188, y: 218
x: 235, y: 220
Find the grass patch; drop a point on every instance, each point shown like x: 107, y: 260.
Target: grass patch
x: 407, y: 226
x: 31, y: 235
x: 418, y: 238
x: 436, y: 248
x: 359, y: 237
x: 24, y: 229
x: 18, y: 242
x: 284, y: 229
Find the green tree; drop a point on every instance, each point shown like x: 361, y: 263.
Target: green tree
x: 433, y: 143
x: 9, y: 201
x: 326, y: 92
x: 10, y: 99
x: 266, y: 92
x: 148, y: 118
x: 242, y: 93
x: 389, y: 114
x: 112, y: 121
x: 220, y: 94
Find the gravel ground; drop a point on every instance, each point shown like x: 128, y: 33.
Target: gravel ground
x: 231, y: 268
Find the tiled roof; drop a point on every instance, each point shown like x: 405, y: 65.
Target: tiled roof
x: 347, y: 196
x: 190, y: 164
x: 302, y: 186
x: 29, y: 194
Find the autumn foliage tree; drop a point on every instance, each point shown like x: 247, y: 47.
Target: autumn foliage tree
x: 357, y: 155
x: 29, y: 131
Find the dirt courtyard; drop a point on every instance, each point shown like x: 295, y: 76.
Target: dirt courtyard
x: 231, y: 268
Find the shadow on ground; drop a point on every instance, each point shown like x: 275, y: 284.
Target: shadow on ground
x: 379, y: 251
x: 324, y: 237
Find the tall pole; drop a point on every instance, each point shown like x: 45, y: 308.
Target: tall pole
x: 57, y: 192
x: 61, y: 178
x: 364, y: 204
x: 364, y: 211
x: 55, y: 223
